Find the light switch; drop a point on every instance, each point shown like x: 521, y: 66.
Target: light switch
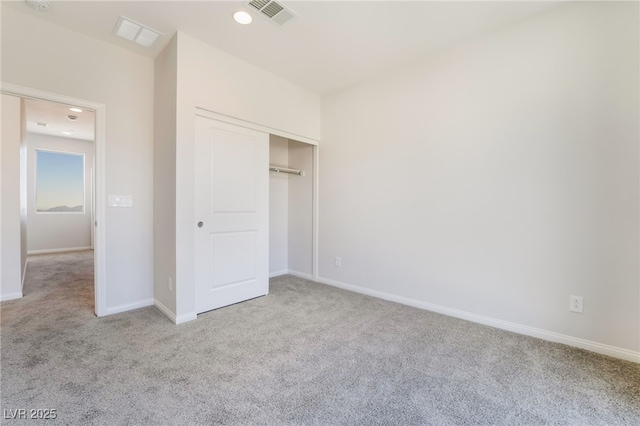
x: 120, y: 201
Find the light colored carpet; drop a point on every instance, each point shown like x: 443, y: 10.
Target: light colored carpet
x: 305, y: 354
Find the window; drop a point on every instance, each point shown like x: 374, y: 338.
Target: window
x: 59, y: 182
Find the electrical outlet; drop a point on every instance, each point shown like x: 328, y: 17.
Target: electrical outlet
x: 170, y: 283
x: 576, y: 304
x: 338, y: 261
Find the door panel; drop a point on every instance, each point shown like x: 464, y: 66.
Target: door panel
x: 232, y: 214
x: 233, y: 258
x: 234, y: 173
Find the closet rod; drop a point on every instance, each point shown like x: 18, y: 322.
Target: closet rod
x: 278, y: 169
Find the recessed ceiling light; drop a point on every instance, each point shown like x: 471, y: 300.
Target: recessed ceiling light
x: 68, y: 132
x: 74, y: 109
x: 72, y: 117
x: 242, y: 17
x: 132, y: 31
x: 40, y: 123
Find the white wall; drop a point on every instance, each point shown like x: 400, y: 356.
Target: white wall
x: 58, y: 231
x: 278, y: 207
x: 44, y: 56
x: 10, y: 259
x: 497, y: 178
x: 164, y: 176
x: 300, y: 217
x: 216, y: 81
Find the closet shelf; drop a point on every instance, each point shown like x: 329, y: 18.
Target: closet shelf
x: 279, y: 169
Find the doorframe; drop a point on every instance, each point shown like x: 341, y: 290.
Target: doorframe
x: 314, y: 215
x: 315, y: 144
x: 99, y: 180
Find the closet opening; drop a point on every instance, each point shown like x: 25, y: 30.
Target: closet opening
x: 291, y: 207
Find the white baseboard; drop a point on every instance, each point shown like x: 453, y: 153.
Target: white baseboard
x: 10, y: 296
x: 174, y: 319
x: 300, y: 274
x: 158, y: 304
x: 291, y: 272
x: 60, y: 250
x: 129, y: 306
x: 191, y: 316
x: 278, y: 273
x: 551, y: 336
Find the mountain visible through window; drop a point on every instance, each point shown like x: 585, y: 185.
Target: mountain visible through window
x: 59, y: 182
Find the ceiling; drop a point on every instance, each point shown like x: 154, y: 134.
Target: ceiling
x: 328, y: 46
x: 56, y: 118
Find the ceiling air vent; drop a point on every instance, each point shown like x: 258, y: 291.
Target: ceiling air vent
x: 133, y: 31
x: 274, y: 11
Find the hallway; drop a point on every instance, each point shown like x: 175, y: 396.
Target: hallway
x: 64, y: 279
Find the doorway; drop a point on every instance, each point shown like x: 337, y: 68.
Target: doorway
x: 67, y: 156
x: 59, y: 142
x: 59, y: 146
x: 291, y: 207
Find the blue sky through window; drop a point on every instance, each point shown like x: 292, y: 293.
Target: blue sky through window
x: 59, y: 182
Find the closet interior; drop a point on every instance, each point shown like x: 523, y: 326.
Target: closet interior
x: 290, y: 207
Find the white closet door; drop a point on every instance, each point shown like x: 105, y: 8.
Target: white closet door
x: 232, y: 214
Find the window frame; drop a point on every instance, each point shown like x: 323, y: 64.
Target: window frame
x: 84, y: 182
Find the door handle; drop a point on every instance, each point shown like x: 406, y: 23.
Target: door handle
x: 200, y: 224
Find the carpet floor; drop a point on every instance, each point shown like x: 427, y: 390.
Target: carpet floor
x: 306, y: 354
